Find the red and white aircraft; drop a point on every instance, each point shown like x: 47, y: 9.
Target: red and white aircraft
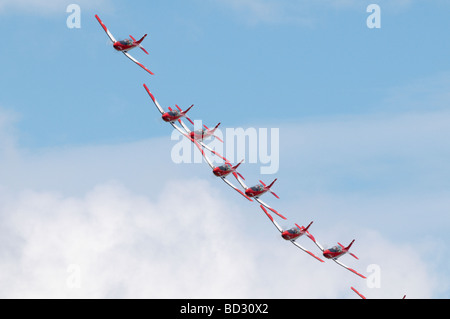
x: 293, y: 233
x: 171, y: 120
x: 125, y: 45
x: 336, y: 252
x: 259, y: 190
x: 176, y: 115
x: 204, y: 133
x: 224, y: 170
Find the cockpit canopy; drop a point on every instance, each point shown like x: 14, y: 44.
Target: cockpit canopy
x: 225, y: 167
x: 173, y: 113
x: 294, y: 231
x: 336, y: 249
x: 126, y: 42
x: 257, y: 188
x: 200, y: 132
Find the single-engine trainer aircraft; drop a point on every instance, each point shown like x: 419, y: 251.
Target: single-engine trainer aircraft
x: 259, y: 190
x: 336, y: 252
x: 223, y: 171
x: 125, y: 45
x: 293, y: 233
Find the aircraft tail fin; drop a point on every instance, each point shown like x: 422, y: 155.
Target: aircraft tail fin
x: 348, y: 247
x: 235, y: 167
x: 272, y: 183
x: 307, y: 227
x: 215, y: 128
x: 190, y: 107
x: 142, y: 39
x: 139, y: 42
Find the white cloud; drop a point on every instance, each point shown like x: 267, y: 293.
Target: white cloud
x: 125, y: 246
x: 64, y: 223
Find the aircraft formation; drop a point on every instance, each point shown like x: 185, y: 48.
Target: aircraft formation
x: 175, y: 116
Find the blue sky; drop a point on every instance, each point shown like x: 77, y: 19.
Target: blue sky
x: 363, y: 117
x: 214, y: 55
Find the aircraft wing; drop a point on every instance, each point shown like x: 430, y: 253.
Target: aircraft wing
x: 241, y: 182
x: 205, y: 157
x: 137, y: 62
x: 348, y: 268
x: 235, y: 188
x: 308, y: 234
x: 358, y: 293
x: 160, y: 109
x: 268, y: 207
x: 185, y: 127
x: 305, y: 250
x: 199, y: 147
x: 106, y: 30
x: 184, y: 133
x: 212, y: 151
x: 271, y: 219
